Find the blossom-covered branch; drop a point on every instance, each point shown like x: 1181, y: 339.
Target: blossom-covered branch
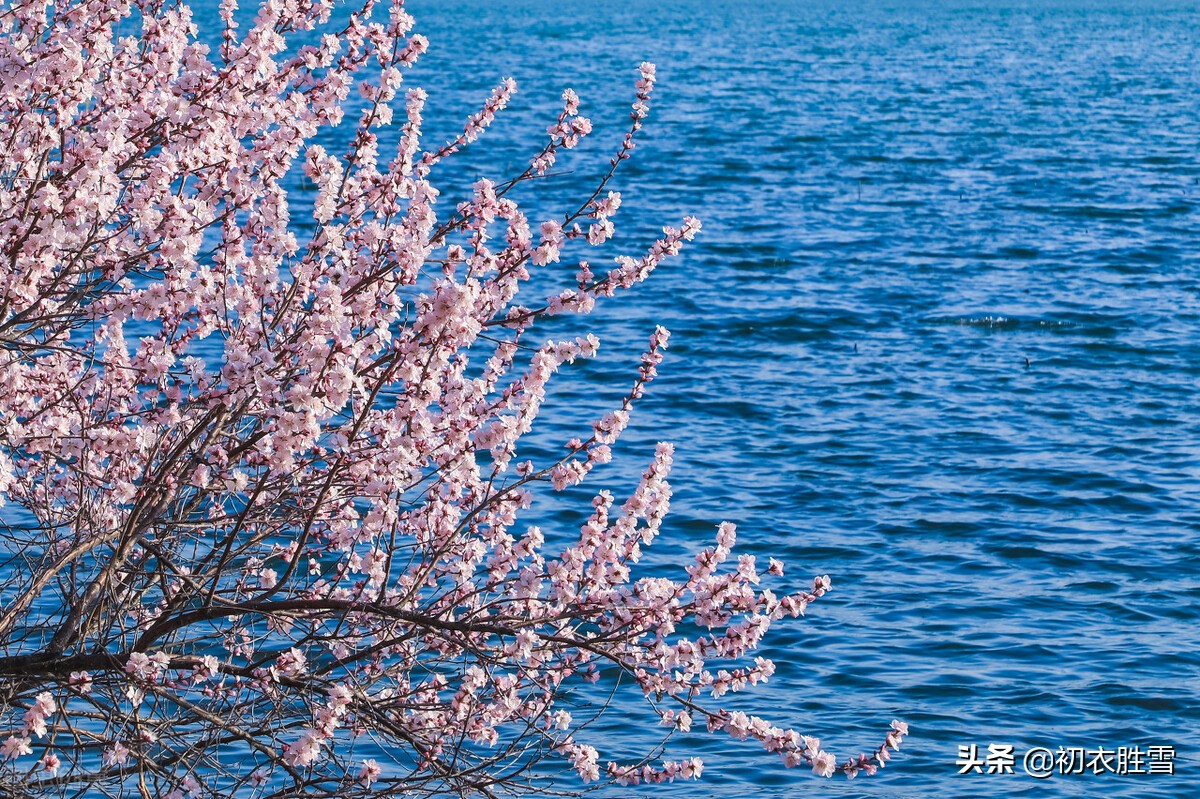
x: 263, y: 486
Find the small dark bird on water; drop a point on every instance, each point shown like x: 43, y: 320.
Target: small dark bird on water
x: 1026, y: 363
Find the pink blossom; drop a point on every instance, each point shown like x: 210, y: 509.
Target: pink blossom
x: 14, y: 746
x: 116, y: 754
x: 208, y: 668
x: 369, y: 772
x: 147, y: 667
x: 304, y: 751
x: 43, y: 707
x: 570, y: 101
x: 824, y: 763
x: 81, y: 680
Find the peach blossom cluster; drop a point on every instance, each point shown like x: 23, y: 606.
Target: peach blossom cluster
x: 271, y: 479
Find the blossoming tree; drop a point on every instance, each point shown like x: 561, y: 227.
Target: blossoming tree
x: 261, y: 534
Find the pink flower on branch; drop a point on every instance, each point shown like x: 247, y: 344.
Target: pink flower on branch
x: 14, y: 746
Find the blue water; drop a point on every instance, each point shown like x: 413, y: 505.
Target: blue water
x: 940, y: 339
x: 903, y: 206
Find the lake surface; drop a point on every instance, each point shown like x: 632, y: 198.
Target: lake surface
x: 939, y: 338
